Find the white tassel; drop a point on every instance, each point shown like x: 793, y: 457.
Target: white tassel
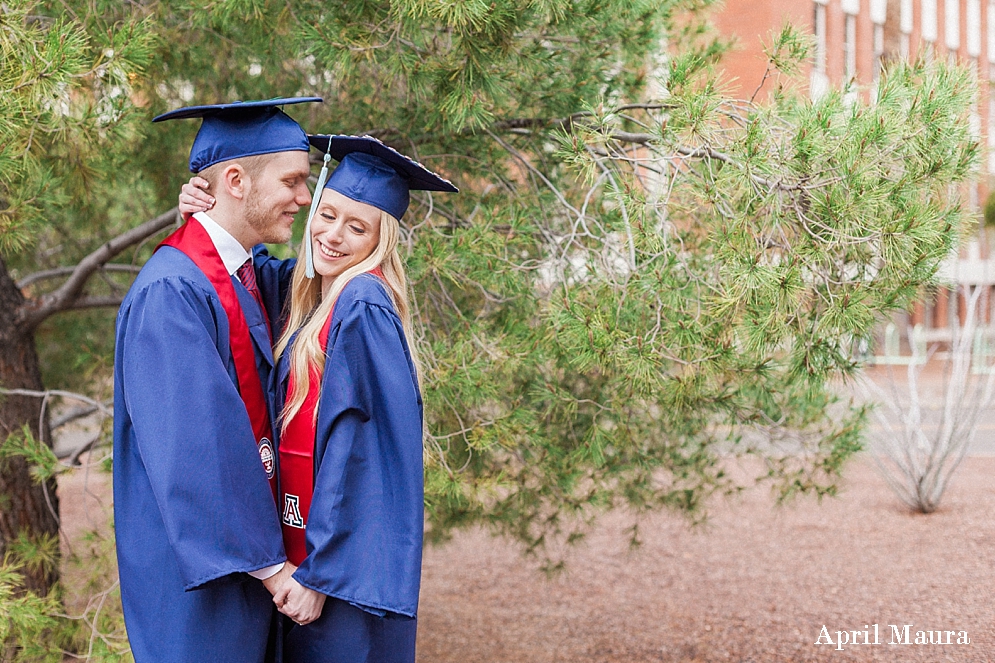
x: 308, y: 256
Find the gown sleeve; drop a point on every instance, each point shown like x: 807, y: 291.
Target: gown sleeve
x: 193, y: 435
x: 365, y: 525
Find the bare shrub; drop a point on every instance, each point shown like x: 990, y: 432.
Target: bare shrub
x: 921, y: 438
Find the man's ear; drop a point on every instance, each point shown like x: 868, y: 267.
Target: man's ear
x: 235, y: 181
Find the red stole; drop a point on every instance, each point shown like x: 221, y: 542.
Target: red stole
x: 196, y: 244
x: 297, y: 456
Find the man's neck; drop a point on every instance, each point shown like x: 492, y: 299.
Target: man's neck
x: 234, y: 224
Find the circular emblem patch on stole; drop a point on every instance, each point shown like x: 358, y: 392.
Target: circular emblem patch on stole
x: 266, y: 455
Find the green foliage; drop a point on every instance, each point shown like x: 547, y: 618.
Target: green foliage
x: 76, y: 351
x: 787, y: 50
x: 64, y: 89
x: 27, y: 623
x: 629, y: 288
x: 641, y: 278
x: 36, y: 629
x: 39, y: 456
x: 631, y: 325
x: 31, y: 628
x: 35, y: 554
x: 990, y: 210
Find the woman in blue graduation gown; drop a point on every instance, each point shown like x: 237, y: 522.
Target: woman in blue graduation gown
x: 350, y: 451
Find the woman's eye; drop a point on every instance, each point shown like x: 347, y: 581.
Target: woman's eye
x: 358, y: 230
x: 326, y: 215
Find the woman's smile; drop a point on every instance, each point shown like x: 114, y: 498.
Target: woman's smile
x: 344, y: 232
x: 331, y: 253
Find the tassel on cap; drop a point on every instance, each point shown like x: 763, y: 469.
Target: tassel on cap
x: 308, y: 255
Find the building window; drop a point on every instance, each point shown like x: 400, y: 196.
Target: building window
x: 850, y: 51
x: 878, y: 49
x: 850, y: 10
x: 878, y: 52
x: 820, y: 81
x: 974, y: 119
x: 879, y: 14
x: 973, y: 24
x: 991, y: 31
x: 991, y: 119
x: 951, y: 24
x: 905, y: 27
x: 929, y: 31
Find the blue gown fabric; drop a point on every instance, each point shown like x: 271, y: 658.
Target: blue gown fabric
x: 192, y: 507
x: 365, y: 526
x: 273, y: 276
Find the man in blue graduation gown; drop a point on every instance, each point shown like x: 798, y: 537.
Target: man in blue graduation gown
x: 195, y: 517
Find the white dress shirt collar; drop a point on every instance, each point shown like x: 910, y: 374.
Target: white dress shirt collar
x: 232, y: 253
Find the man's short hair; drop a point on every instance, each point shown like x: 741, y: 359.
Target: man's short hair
x: 252, y: 166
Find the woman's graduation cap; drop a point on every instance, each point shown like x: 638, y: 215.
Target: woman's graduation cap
x: 242, y: 129
x: 369, y: 172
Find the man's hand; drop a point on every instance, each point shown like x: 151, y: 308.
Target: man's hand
x: 277, y: 580
x: 194, y: 197
x: 301, y: 604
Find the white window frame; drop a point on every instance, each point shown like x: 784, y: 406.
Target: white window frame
x: 819, y: 84
x: 928, y: 25
x: 991, y: 31
x: 972, y: 22
x: 905, y: 27
x: 951, y: 24
x: 879, y: 11
x: 879, y: 14
x: 905, y: 17
x: 849, y: 50
x: 991, y: 117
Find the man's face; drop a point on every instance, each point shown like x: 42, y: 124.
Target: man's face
x: 277, y: 192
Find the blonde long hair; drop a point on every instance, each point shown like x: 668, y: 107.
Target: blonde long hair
x: 308, y: 311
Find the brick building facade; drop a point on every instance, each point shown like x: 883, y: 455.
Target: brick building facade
x: 852, y: 40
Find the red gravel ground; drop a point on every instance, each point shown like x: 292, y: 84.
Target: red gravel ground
x: 756, y: 584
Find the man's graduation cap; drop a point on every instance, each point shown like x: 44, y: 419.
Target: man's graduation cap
x: 242, y: 129
x: 369, y: 172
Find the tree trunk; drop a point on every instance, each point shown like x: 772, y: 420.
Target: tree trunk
x: 24, y: 508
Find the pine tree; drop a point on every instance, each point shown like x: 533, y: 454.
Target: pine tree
x: 641, y: 276
x: 64, y: 83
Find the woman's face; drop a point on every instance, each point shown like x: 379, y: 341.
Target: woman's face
x: 344, y: 232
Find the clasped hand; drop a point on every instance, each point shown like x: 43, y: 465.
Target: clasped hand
x: 296, y: 601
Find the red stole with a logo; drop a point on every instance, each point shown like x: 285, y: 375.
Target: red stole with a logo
x: 196, y: 244
x: 297, y: 456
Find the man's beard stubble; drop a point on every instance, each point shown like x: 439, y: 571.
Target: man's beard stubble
x: 266, y: 222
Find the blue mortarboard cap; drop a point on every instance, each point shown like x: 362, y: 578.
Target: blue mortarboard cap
x: 242, y: 129
x: 374, y: 173
x: 369, y: 172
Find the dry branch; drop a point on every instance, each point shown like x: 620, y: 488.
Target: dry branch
x: 69, y: 294
x: 66, y: 271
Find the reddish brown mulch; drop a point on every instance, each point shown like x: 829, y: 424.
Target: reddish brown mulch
x: 756, y: 584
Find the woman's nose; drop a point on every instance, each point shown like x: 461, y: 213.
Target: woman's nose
x: 335, y: 234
